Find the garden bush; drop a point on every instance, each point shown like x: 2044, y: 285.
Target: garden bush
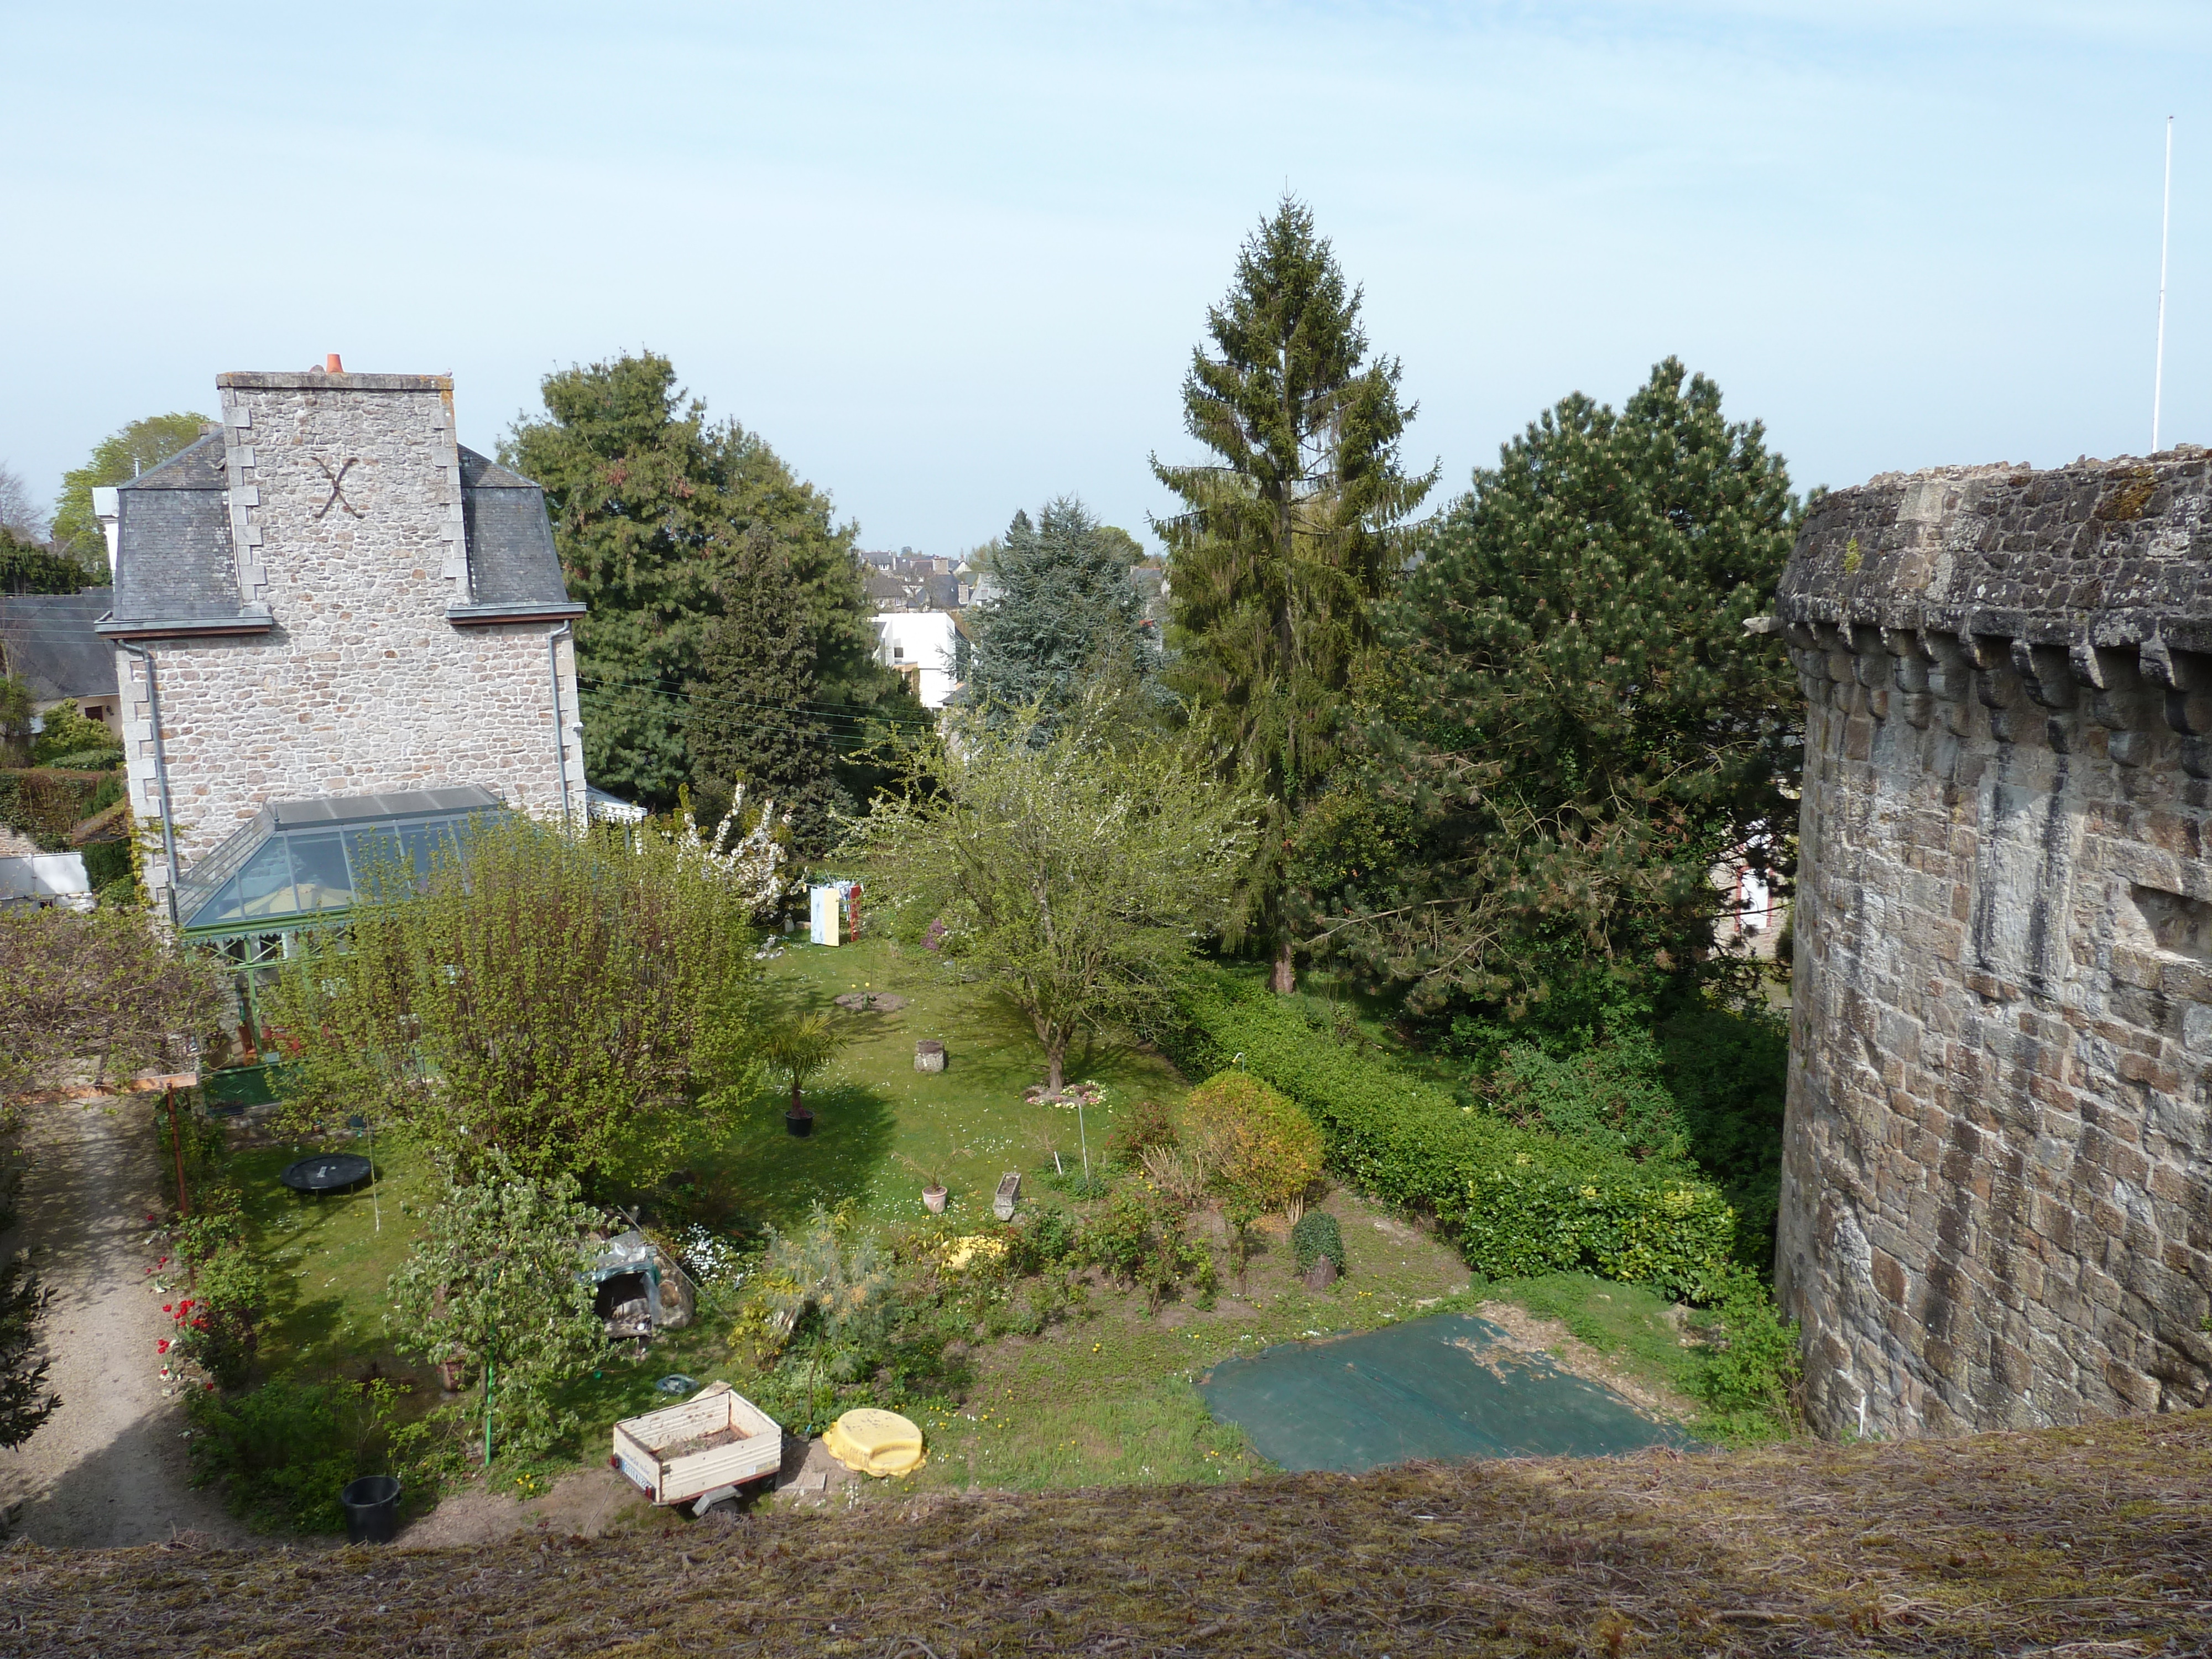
x: 1610, y: 1095
x: 218, y: 1325
x: 1518, y: 1201
x: 1147, y: 1125
x: 1318, y: 1237
x: 1750, y: 1380
x: 1728, y: 1070
x: 1262, y: 1149
x: 828, y: 1282
x: 1139, y: 1238
x: 283, y: 1451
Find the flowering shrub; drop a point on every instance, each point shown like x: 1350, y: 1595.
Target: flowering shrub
x: 216, y: 1326
x: 710, y: 1258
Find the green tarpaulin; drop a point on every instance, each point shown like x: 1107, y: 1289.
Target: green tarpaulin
x: 1449, y: 1386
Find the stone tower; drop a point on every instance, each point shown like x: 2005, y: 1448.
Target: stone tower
x: 1998, y: 1180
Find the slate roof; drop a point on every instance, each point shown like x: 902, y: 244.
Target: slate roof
x: 513, y: 567
x: 173, y: 565
x: 175, y: 574
x: 47, y: 642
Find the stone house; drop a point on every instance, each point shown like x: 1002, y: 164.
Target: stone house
x: 351, y: 626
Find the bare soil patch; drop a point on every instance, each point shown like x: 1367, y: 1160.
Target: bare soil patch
x: 1525, y: 1331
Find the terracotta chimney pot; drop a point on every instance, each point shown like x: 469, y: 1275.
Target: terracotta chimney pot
x: 332, y: 366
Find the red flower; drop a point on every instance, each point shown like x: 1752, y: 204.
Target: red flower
x: 162, y: 1346
x: 210, y: 1388
x: 166, y: 1308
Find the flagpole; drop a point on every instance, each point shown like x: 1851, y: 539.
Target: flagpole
x: 2165, y: 234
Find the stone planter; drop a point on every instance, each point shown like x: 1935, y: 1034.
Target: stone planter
x: 928, y: 1057
x: 933, y: 1199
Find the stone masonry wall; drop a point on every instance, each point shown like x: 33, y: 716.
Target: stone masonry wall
x: 1997, y: 1184
x: 345, y: 500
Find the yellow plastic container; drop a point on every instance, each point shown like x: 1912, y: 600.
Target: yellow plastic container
x: 877, y: 1442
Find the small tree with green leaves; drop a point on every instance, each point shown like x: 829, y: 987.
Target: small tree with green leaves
x: 116, y: 459
x: 576, y: 1005
x: 1074, y: 870
x: 496, y: 1280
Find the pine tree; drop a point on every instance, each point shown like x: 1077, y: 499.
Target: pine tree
x: 652, y: 505
x: 754, y: 716
x: 1286, y: 542
x: 1581, y: 728
x: 1064, y: 612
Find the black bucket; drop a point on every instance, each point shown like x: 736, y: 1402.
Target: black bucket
x: 372, y: 1509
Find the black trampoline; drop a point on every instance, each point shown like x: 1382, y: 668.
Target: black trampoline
x: 326, y: 1172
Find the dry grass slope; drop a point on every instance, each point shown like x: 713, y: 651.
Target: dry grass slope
x: 2077, y: 1541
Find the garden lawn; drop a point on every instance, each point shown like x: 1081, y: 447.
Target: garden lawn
x: 1103, y: 1397
x: 330, y: 1259
x: 967, y: 1125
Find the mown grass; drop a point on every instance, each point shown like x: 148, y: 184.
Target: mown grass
x: 967, y: 1125
x: 330, y: 1259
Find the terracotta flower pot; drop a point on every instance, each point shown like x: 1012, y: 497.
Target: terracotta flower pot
x: 933, y: 1199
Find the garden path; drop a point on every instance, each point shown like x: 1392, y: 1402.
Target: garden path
x: 109, y: 1467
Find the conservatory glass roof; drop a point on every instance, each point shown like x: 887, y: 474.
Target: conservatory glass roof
x: 296, y: 859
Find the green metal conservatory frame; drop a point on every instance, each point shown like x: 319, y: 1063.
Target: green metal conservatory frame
x: 299, y: 865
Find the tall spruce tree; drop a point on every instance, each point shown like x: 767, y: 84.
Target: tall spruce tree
x: 1286, y: 540
x: 653, y: 506
x: 755, y: 718
x: 1064, y: 612
x: 1582, y: 728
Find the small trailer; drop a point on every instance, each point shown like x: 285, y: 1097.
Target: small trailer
x: 699, y: 1452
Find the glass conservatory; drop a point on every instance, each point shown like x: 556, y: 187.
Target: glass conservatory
x: 301, y: 865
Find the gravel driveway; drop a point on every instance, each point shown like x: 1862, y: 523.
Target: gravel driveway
x: 108, y: 1468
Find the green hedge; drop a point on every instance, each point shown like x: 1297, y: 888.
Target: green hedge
x: 1517, y: 1201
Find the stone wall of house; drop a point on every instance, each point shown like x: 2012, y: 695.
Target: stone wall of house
x: 1997, y: 1198
x: 346, y: 519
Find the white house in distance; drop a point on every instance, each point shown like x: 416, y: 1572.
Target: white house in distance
x: 920, y: 644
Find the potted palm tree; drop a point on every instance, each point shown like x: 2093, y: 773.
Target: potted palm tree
x: 933, y: 1189
x: 802, y: 1047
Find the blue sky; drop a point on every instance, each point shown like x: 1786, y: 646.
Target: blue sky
x: 951, y: 260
